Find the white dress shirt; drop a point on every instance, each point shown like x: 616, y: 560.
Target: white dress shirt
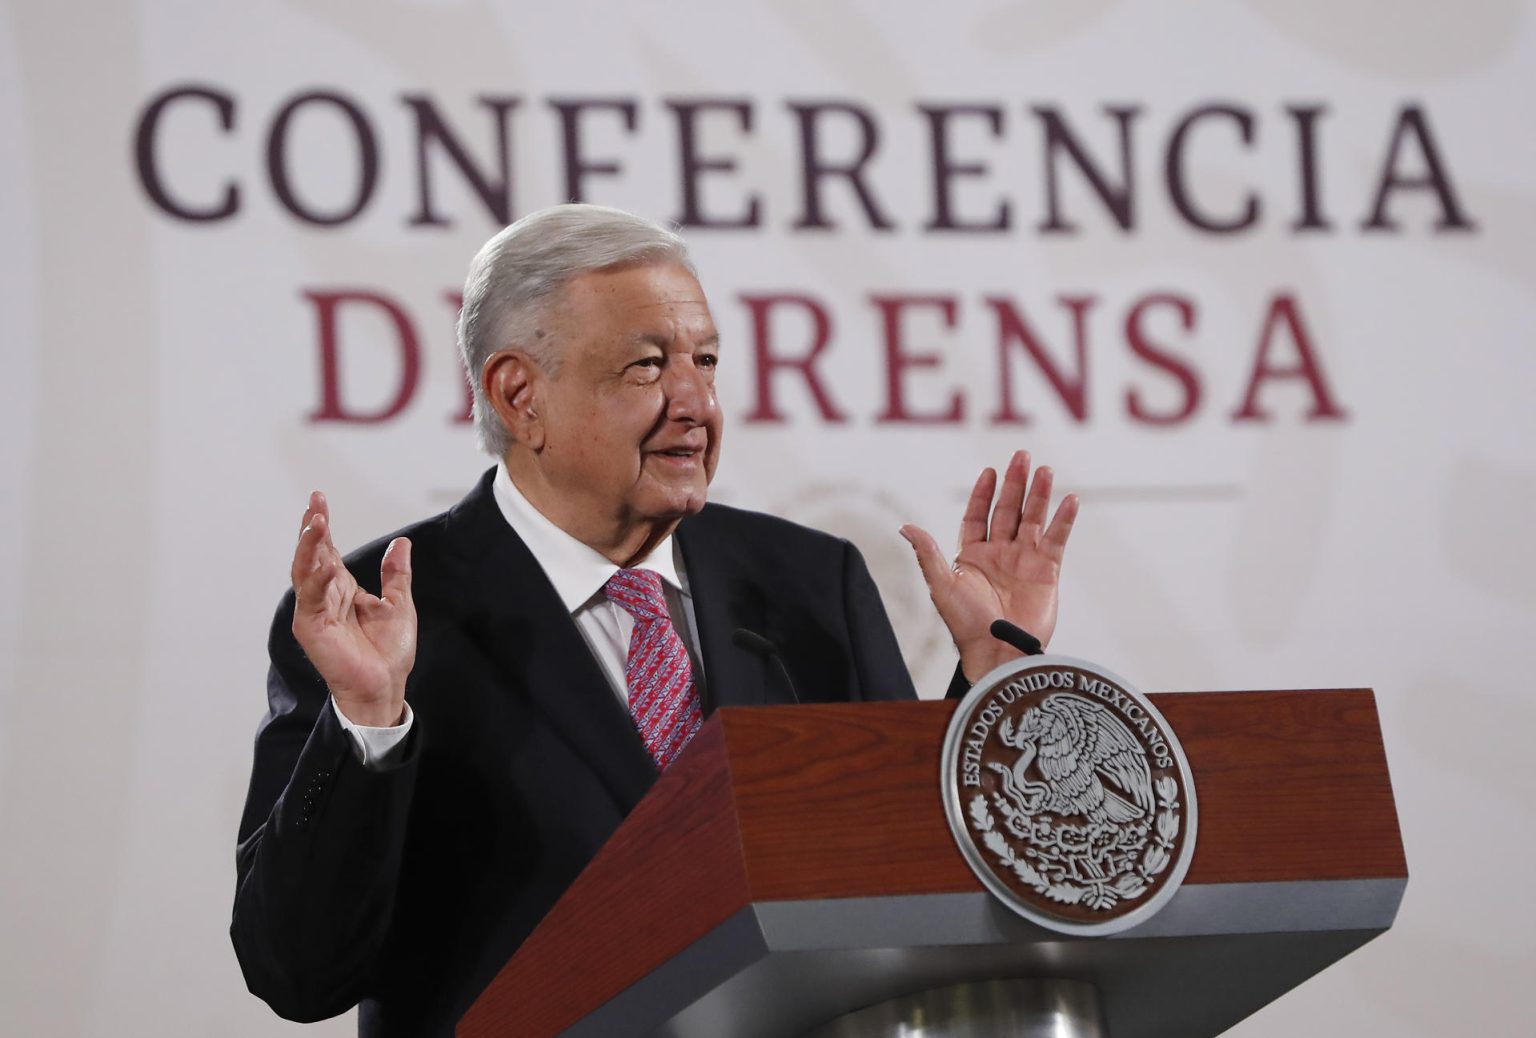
x: 578, y: 573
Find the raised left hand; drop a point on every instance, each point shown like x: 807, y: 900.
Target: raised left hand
x: 1007, y: 570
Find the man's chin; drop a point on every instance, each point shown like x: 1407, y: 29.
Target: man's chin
x: 674, y: 502
x: 693, y: 503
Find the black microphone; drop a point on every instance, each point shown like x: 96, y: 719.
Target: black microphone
x: 754, y: 642
x: 1016, y: 636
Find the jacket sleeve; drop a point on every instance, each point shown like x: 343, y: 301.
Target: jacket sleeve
x: 320, y: 847
x: 881, y: 670
x: 877, y: 654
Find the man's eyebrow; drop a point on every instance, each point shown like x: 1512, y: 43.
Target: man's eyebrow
x: 662, y: 341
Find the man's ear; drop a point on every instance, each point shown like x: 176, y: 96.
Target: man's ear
x: 513, y: 385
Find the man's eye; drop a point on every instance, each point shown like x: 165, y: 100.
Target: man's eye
x: 708, y: 360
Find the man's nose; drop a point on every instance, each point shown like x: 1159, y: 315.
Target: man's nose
x: 690, y: 393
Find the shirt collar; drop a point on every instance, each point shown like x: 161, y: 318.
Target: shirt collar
x: 577, y: 571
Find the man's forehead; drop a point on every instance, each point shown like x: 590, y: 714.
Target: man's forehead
x: 654, y: 295
x: 621, y: 308
x: 661, y: 281
x: 703, y: 335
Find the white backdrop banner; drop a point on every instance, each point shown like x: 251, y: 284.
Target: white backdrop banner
x: 1255, y: 278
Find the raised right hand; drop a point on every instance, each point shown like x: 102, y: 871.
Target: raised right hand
x: 363, y: 645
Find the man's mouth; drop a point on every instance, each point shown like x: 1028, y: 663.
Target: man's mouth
x: 680, y: 461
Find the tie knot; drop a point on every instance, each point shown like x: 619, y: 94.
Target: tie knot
x: 638, y: 592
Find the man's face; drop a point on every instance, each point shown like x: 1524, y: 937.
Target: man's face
x: 630, y: 421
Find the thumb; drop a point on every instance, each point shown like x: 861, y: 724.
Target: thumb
x: 395, y: 572
x: 929, y: 559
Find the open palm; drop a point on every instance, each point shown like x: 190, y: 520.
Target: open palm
x: 363, y: 645
x: 1008, y: 568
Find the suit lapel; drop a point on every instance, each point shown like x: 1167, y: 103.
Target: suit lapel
x: 522, y: 626
x: 723, y: 600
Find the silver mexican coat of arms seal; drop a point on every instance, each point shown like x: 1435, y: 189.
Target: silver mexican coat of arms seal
x: 1069, y: 795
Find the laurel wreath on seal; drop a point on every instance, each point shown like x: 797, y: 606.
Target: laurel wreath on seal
x: 1102, y: 894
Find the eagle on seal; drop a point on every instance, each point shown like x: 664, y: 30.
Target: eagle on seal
x: 1091, y: 764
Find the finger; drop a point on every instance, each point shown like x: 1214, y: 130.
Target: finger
x: 317, y: 566
x: 310, y: 552
x: 326, y: 550
x: 395, y: 573
x: 973, y: 525
x: 1005, y: 517
x: 318, y: 508
x: 1039, y: 500
x: 936, y: 572
x: 311, y: 601
x: 1061, y: 526
x: 316, y: 505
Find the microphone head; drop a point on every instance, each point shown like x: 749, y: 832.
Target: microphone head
x: 1016, y: 636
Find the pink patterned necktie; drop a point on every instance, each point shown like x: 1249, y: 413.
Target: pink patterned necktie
x: 663, y: 698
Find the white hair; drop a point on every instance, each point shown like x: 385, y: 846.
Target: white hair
x: 518, y: 275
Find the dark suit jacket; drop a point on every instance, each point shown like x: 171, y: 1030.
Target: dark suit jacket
x: 405, y: 890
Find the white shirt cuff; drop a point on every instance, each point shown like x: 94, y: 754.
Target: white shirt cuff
x: 377, y: 748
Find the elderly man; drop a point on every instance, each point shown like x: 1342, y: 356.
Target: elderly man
x: 461, y: 715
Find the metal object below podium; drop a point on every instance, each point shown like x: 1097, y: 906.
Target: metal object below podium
x: 982, y: 1009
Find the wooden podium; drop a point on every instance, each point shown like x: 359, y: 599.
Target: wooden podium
x: 795, y: 865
